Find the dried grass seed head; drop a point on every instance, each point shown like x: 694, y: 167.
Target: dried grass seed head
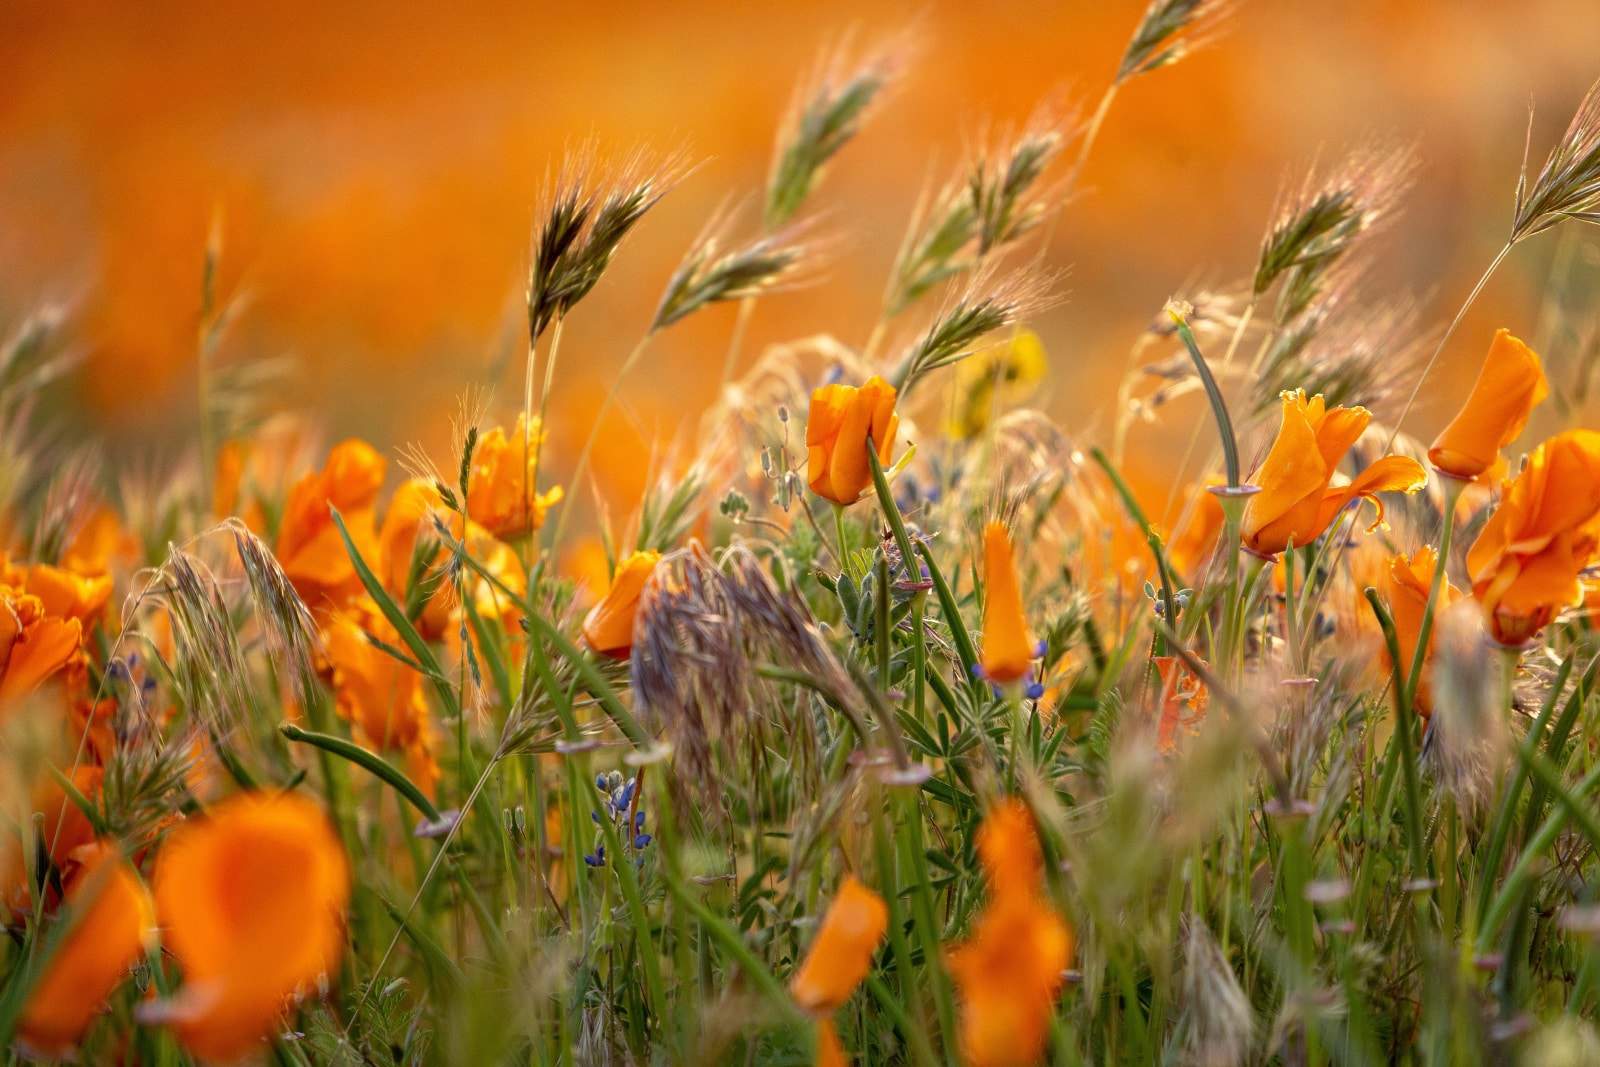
x: 1568, y: 185
x: 1170, y: 30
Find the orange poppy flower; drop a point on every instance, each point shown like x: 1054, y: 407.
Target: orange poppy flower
x: 840, y: 419
x: 66, y: 593
x: 65, y: 829
x: 1008, y: 653
x: 1184, y: 703
x: 411, y: 515
x: 251, y: 900
x: 116, y: 924
x: 503, y: 467
x: 99, y: 541
x: 830, y: 1053
x: 608, y: 628
x: 34, y: 644
x: 1297, y: 503
x: 1408, y: 580
x: 1510, y: 384
x: 377, y: 694
x: 841, y: 954
x: 1200, y: 525
x: 1011, y: 968
x: 309, y: 547
x: 1525, y: 565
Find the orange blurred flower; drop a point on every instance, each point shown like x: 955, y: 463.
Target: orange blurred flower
x: 66, y: 593
x: 830, y: 1053
x: 1525, y: 565
x: 34, y: 644
x: 1008, y: 653
x: 608, y: 628
x: 411, y: 516
x: 251, y: 900
x: 1200, y: 524
x: 309, y: 547
x: 1011, y: 967
x: 64, y: 829
x: 1296, y: 503
x: 116, y: 925
x: 1510, y: 384
x: 841, y: 953
x: 503, y: 468
x: 1408, y: 580
x: 841, y: 417
x: 377, y: 694
x: 100, y: 540
x: 1184, y: 703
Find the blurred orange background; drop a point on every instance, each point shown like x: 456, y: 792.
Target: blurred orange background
x: 376, y: 167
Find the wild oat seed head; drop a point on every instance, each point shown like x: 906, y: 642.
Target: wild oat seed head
x: 708, y: 275
x: 1568, y: 185
x: 1170, y: 30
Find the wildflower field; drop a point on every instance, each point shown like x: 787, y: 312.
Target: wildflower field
x: 895, y: 723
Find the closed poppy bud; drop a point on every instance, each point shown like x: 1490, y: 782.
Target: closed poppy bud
x: 841, y: 953
x: 841, y: 418
x: 1510, y: 384
x: 112, y: 922
x: 1408, y: 580
x: 608, y: 628
x: 1297, y: 502
x: 1527, y: 562
x: 502, y: 494
x: 1007, y: 651
x: 251, y: 900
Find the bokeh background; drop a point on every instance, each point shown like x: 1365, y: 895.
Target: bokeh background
x: 375, y: 167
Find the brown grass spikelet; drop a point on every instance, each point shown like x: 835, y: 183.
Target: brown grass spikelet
x: 826, y: 112
x: 991, y: 302
x: 1170, y: 30
x: 715, y: 271
x: 1568, y: 185
x: 1317, y: 224
x: 1219, y: 1022
x: 585, y: 217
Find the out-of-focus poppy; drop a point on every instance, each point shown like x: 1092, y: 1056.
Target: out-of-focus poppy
x: 251, y: 901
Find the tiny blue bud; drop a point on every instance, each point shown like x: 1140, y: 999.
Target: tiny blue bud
x: 641, y: 841
x: 600, y: 782
x: 1035, y: 690
x: 1040, y: 649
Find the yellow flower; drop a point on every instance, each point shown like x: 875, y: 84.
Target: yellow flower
x: 841, y: 954
x: 1007, y: 650
x: 503, y: 468
x: 1296, y: 503
x: 1408, y: 580
x: 1510, y: 384
x: 309, y: 547
x: 116, y: 924
x: 1526, y: 564
x: 841, y: 418
x: 1010, y: 968
x: 608, y: 628
x: 251, y: 900
x: 1001, y: 376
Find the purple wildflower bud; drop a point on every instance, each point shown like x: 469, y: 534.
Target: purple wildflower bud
x: 641, y: 840
x: 1035, y: 690
x: 1041, y: 648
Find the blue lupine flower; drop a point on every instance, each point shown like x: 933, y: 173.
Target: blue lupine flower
x: 641, y: 840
